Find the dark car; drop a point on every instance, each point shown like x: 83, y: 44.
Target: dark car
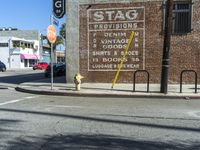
x: 40, y: 65
x: 2, y: 66
x: 58, y: 70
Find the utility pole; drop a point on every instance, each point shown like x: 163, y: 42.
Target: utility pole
x: 166, y: 47
x: 66, y: 53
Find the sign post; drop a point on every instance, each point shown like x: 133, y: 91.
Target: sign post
x: 51, y: 35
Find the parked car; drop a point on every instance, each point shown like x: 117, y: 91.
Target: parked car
x: 58, y: 70
x: 2, y: 66
x: 40, y: 65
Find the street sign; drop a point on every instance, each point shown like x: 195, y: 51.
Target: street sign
x: 59, y: 8
x: 51, y: 34
x: 55, y: 21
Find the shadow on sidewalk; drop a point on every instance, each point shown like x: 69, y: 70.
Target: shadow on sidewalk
x: 96, y: 142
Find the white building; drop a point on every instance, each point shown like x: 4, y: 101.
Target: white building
x: 18, y: 53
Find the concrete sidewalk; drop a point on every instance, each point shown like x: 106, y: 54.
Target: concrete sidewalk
x: 104, y: 90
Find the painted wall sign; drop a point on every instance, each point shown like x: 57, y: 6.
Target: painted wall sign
x: 108, y: 33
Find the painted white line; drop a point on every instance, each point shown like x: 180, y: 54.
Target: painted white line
x: 194, y: 114
x: 17, y: 100
x: 64, y: 106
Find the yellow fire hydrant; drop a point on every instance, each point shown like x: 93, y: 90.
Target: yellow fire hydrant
x: 77, y: 81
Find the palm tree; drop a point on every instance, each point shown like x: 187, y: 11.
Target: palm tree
x: 58, y: 41
x: 62, y: 30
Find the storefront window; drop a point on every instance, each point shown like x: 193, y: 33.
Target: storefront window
x: 25, y: 62
x: 32, y: 62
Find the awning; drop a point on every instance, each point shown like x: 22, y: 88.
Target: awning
x: 29, y: 56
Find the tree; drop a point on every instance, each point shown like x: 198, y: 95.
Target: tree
x: 59, y: 41
x: 60, y: 38
x: 63, y: 30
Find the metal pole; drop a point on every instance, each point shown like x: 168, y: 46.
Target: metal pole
x: 51, y: 66
x: 10, y: 42
x: 166, y: 47
x: 66, y: 40
x: 41, y: 46
x: 52, y: 57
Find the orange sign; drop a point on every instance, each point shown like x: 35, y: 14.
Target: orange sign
x: 51, y: 34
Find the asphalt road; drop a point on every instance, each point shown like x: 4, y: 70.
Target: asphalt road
x: 35, y: 122
x: 39, y: 122
x: 20, y: 76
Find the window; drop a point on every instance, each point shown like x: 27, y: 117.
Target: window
x: 182, y: 17
x: 22, y: 44
x: 60, y: 59
x: 3, y: 44
x: 16, y: 44
x: 31, y: 45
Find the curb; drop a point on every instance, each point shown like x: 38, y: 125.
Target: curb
x: 7, y: 86
x: 81, y: 94
x: 3, y: 88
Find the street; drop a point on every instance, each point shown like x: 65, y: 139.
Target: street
x: 20, y: 76
x: 42, y: 122
x: 100, y: 75
x: 49, y: 122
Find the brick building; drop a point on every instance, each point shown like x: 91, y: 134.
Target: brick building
x: 104, y: 28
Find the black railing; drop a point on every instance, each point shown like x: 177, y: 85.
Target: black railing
x: 181, y: 79
x: 134, y: 77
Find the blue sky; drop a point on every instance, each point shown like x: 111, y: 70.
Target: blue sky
x: 26, y: 14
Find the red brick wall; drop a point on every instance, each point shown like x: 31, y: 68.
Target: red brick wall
x: 184, y: 52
